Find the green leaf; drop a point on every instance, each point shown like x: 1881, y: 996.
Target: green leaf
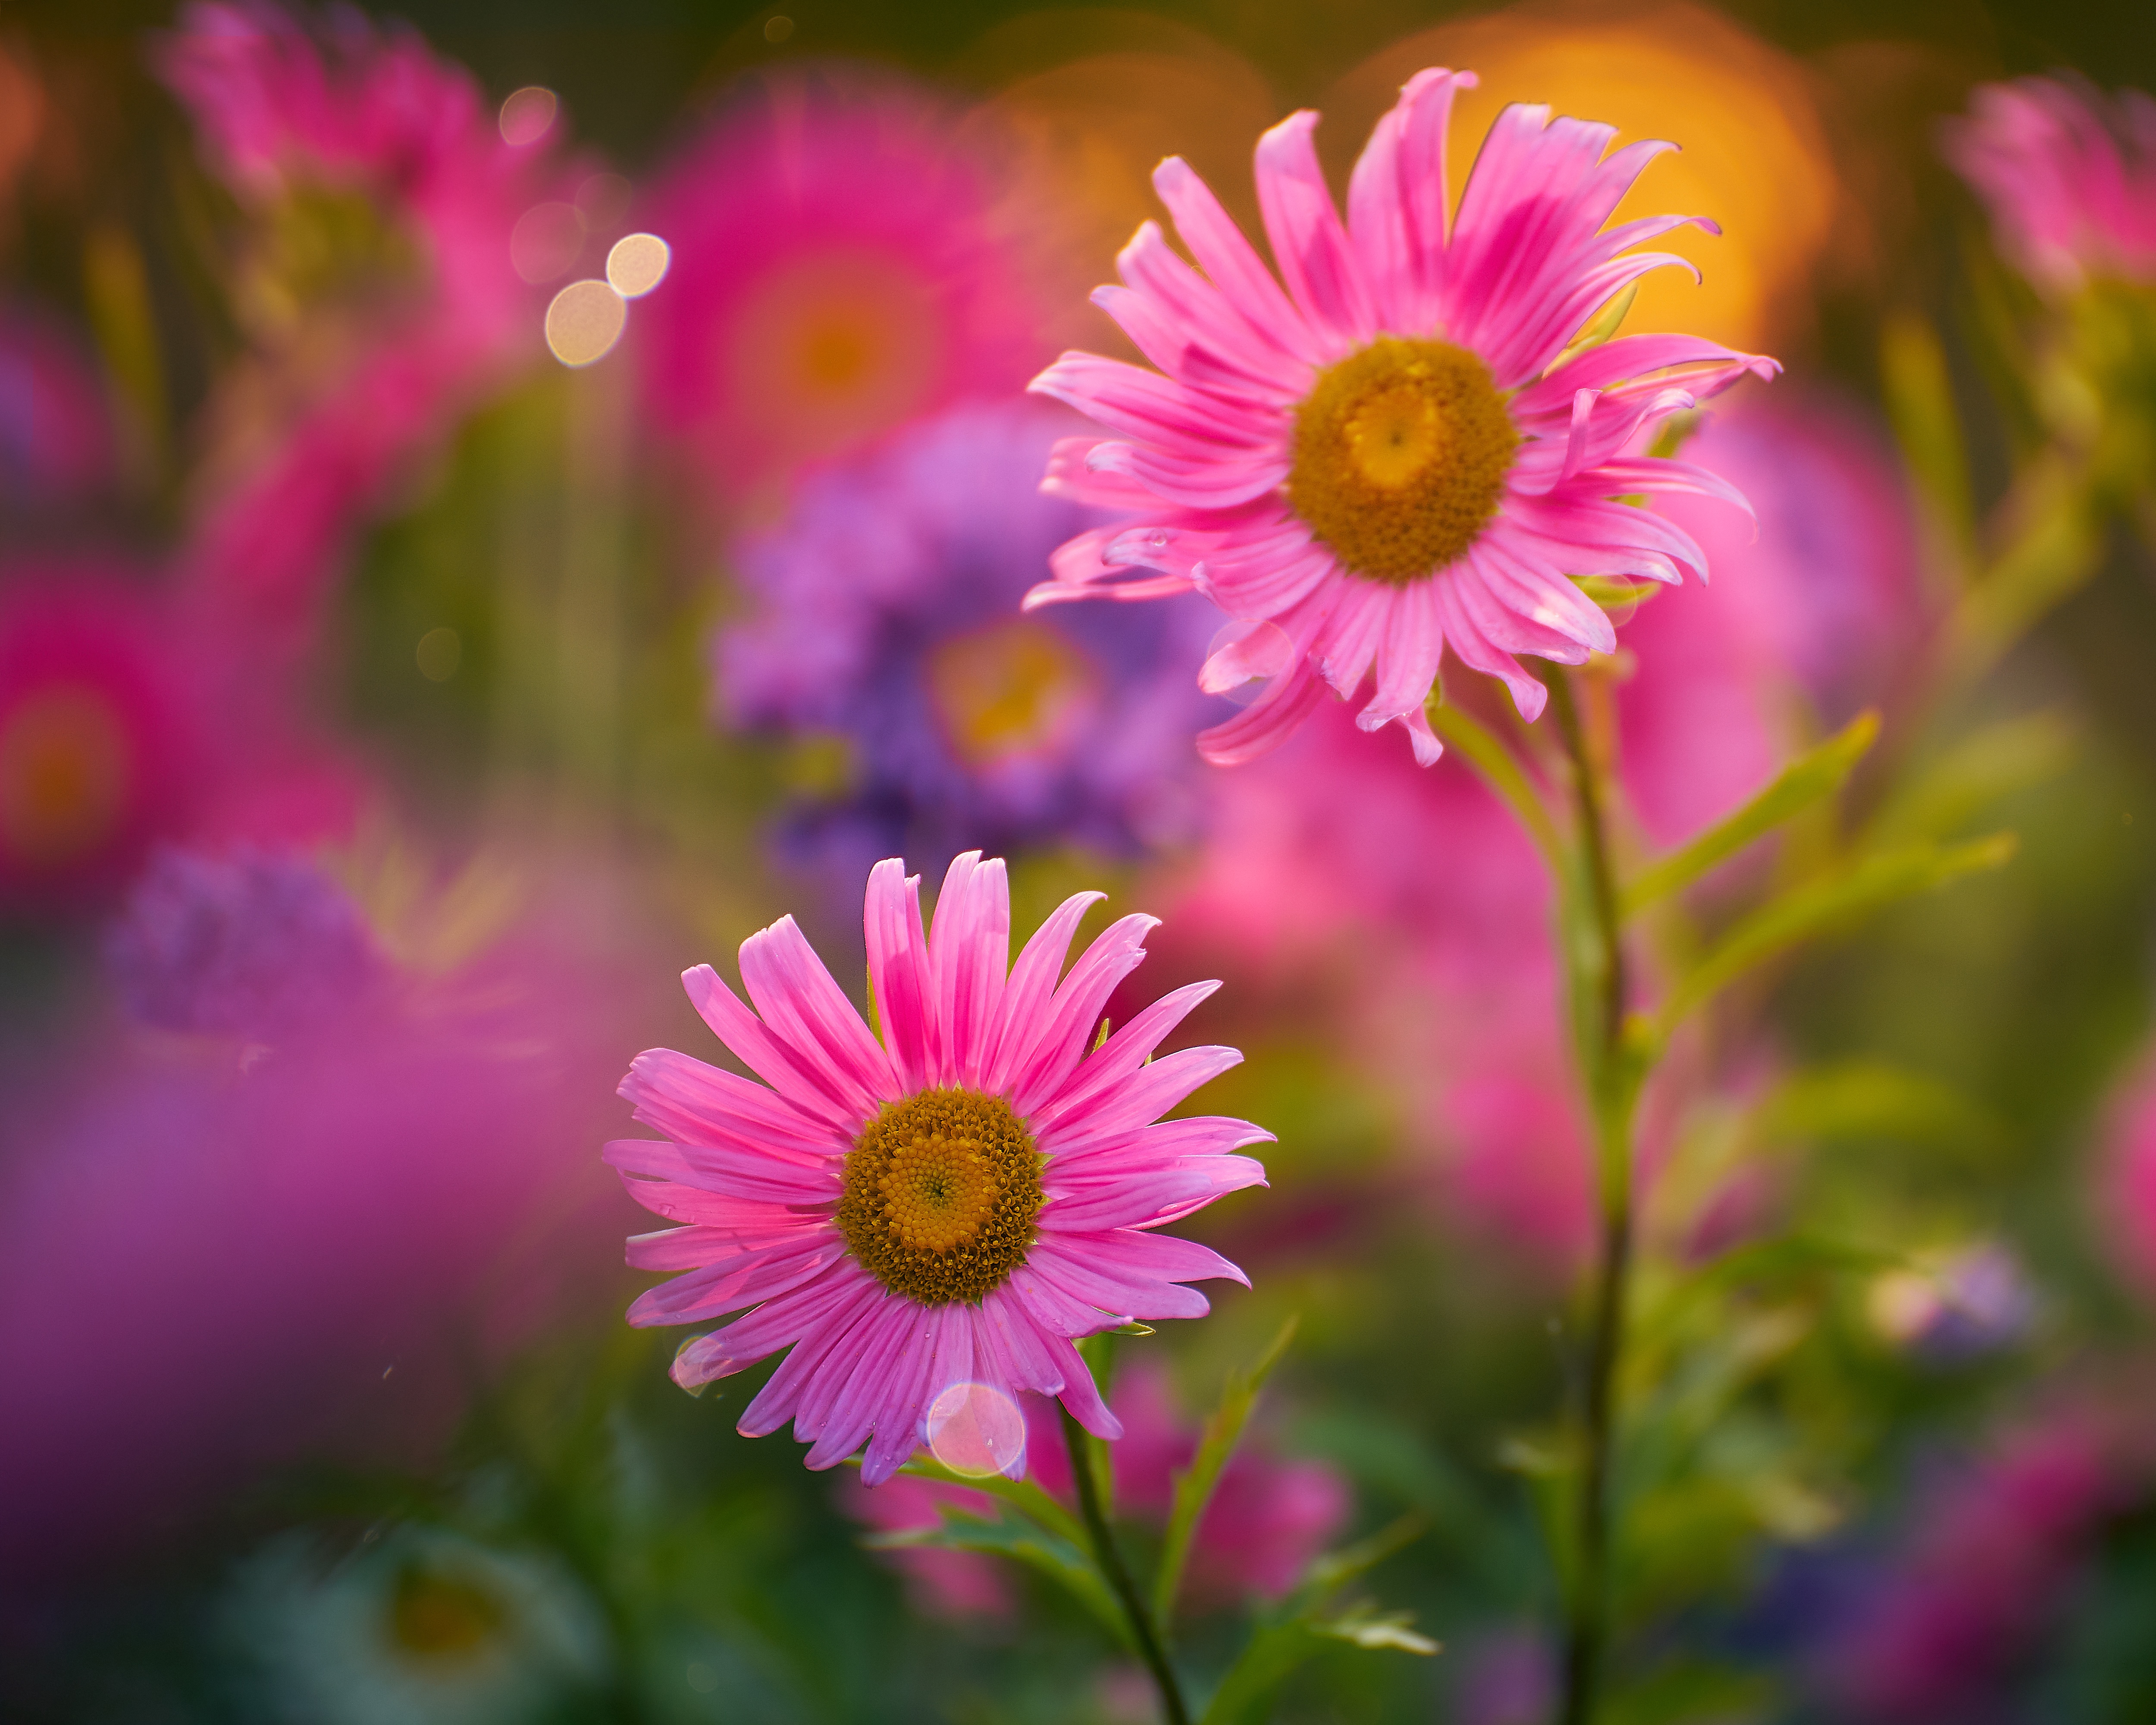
x: 1194, y: 1485
x: 1821, y: 906
x: 1336, y: 1569
x: 1945, y: 794
x: 1818, y: 772
x: 1376, y: 1629
x: 1027, y: 1497
x: 1921, y: 403
x: 1872, y: 1099
x: 1007, y: 1536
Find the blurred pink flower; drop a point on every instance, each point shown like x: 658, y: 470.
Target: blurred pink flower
x: 1815, y: 611
x: 1983, y: 1569
x: 952, y: 1205
x: 837, y: 270
x: 1267, y: 1520
x: 56, y: 444
x: 217, y: 1256
x: 100, y: 749
x: 2070, y: 177
x: 2122, y: 1194
x: 1397, y: 455
x: 352, y: 136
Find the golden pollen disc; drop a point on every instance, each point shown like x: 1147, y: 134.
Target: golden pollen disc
x: 940, y: 1191
x: 1401, y: 452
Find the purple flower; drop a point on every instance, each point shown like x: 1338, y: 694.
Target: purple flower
x: 884, y: 614
x: 251, y: 944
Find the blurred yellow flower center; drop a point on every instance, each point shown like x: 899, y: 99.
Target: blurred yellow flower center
x: 1401, y: 452
x: 940, y: 1191
x: 445, y: 1617
x: 1012, y: 686
x: 64, y: 769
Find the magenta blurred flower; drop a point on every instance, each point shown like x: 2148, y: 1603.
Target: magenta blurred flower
x: 951, y: 1206
x: 1986, y: 1564
x: 388, y: 195
x: 838, y: 269
x: 251, y: 944
x: 56, y: 443
x: 98, y: 746
x: 1267, y: 1520
x: 885, y: 614
x: 2070, y: 177
x: 2122, y: 1194
x: 291, y: 1250
x: 1396, y: 455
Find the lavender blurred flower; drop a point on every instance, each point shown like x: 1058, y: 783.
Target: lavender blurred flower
x: 837, y: 270
x: 329, y: 1235
x: 884, y: 613
x: 1957, y: 1306
x: 252, y: 944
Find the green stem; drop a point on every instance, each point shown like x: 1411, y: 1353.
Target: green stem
x: 1595, y: 974
x: 1111, y: 1565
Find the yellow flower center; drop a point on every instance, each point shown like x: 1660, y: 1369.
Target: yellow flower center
x: 940, y: 1194
x: 1010, y: 688
x: 65, y: 772
x: 1401, y: 452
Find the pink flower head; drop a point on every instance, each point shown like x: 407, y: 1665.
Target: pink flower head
x: 2070, y: 177
x: 1267, y: 1520
x: 950, y: 1206
x: 97, y: 754
x: 835, y: 272
x: 1396, y: 454
x: 356, y: 142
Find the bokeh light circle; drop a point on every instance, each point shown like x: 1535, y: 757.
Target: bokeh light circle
x: 528, y: 114
x: 976, y: 1430
x: 584, y: 321
x: 637, y: 264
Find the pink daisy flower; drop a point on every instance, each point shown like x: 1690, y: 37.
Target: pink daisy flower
x: 952, y: 1205
x: 2070, y: 177
x: 1395, y: 452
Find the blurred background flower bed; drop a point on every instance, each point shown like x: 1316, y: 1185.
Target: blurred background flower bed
x: 495, y: 509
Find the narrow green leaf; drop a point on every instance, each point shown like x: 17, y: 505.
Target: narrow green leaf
x: 1062, y: 1562
x: 1921, y: 403
x: 1818, y: 773
x: 1943, y: 795
x: 1820, y: 907
x: 1336, y: 1569
x: 1873, y: 1100
x: 1194, y: 1485
x: 1027, y: 1497
x: 1377, y: 1630
x: 1272, y: 1652
x: 876, y: 1017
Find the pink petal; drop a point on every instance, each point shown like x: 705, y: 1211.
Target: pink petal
x: 770, y: 1326
x: 1121, y: 1056
x: 1232, y: 267
x: 695, y: 1103
x: 1309, y: 243
x: 899, y: 973
x: 1073, y: 1016
x: 796, y: 997
x: 1264, y: 724
x: 765, y: 1053
x: 1033, y: 981
x: 969, y: 951
x: 734, y: 1174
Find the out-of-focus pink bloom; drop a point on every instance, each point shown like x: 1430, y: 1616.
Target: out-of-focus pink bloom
x: 100, y: 753
x: 55, y: 435
x: 1813, y: 613
x: 2070, y: 177
x: 1390, y: 451
x: 1267, y: 1520
x: 2124, y: 1188
x: 1507, y: 1678
x: 1983, y: 1570
x: 836, y: 272
x: 352, y: 135
x: 217, y: 1257
x: 950, y: 1205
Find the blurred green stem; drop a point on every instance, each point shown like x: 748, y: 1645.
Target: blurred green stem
x: 1110, y: 1561
x: 1595, y: 973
